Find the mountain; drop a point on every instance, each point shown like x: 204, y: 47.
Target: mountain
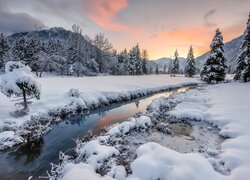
x: 166, y: 61
x: 231, y: 49
x: 56, y: 33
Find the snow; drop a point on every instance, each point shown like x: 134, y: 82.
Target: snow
x: 97, y: 153
x: 81, y: 171
x: 142, y: 122
x: 70, y: 93
x: 224, y: 105
x: 157, y: 162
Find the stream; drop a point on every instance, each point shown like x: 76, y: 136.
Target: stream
x: 34, y: 158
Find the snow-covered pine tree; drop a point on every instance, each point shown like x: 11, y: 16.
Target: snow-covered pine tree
x: 157, y: 70
x: 175, y: 68
x: 215, y: 66
x: 18, y: 81
x: 144, y: 61
x: 165, y: 69
x: 137, y: 60
x: 243, y: 59
x: 123, y: 59
x: 131, y: 62
x: 4, y: 48
x: 150, y: 70
x: 190, y: 68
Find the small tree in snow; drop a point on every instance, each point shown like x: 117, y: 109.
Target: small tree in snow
x: 175, y: 68
x: 215, y: 67
x: 190, y: 68
x: 144, y: 61
x: 243, y: 59
x: 19, y: 81
x: 157, y: 70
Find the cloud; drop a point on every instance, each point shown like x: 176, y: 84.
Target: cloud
x: 103, y: 13
x: 16, y: 22
x: 207, y: 18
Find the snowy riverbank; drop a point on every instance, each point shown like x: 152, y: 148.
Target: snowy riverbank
x: 223, y: 105
x: 62, y: 96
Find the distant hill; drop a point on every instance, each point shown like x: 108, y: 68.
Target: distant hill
x: 56, y: 33
x: 166, y: 61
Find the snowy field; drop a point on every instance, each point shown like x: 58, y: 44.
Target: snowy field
x: 225, y: 106
x: 92, y: 90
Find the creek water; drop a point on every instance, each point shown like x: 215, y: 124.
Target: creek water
x: 34, y: 158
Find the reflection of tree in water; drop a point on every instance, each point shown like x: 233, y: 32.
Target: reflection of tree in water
x: 102, y: 113
x: 78, y: 119
x: 137, y: 104
x: 31, y: 150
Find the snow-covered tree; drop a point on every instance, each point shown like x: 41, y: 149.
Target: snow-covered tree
x: 103, y: 51
x: 137, y: 60
x: 135, y: 63
x: 27, y: 51
x: 190, y: 68
x: 157, y: 70
x: 215, y: 66
x: 144, y: 61
x: 123, y: 60
x: 4, y: 48
x: 165, y: 69
x: 175, y: 68
x: 150, y: 70
x: 243, y: 59
x: 18, y: 81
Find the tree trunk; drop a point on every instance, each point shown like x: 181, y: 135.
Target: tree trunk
x: 24, y: 99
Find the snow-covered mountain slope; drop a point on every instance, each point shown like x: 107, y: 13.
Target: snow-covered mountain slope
x: 56, y: 33
x: 231, y: 49
x: 166, y: 61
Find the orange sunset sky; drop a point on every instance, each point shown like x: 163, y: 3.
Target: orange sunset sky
x: 160, y: 26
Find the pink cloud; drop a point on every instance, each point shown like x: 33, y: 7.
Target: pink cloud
x: 103, y: 13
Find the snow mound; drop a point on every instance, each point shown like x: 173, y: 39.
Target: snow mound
x: 157, y: 162
x: 96, y: 153
x: 190, y: 108
x: 143, y: 122
x: 81, y: 171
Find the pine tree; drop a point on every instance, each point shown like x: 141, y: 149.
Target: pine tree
x: 150, y: 70
x: 144, y: 61
x: 131, y: 62
x: 138, y: 60
x: 4, y: 48
x: 157, y: 70
x: 165, y: 69
x: 190, y: 68
x: 175, y: 68
x: 215, y: 66
x: 243, y: 59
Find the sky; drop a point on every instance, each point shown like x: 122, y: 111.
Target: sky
x: 160, y: 26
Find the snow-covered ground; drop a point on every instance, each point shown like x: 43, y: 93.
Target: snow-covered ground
x: 224, y: 105
x: 86, y: 92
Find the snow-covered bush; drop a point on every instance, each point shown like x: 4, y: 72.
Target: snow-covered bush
x: 19, y: 81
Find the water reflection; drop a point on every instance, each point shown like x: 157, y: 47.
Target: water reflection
x: 28, y: 152
x: 137, y: 104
